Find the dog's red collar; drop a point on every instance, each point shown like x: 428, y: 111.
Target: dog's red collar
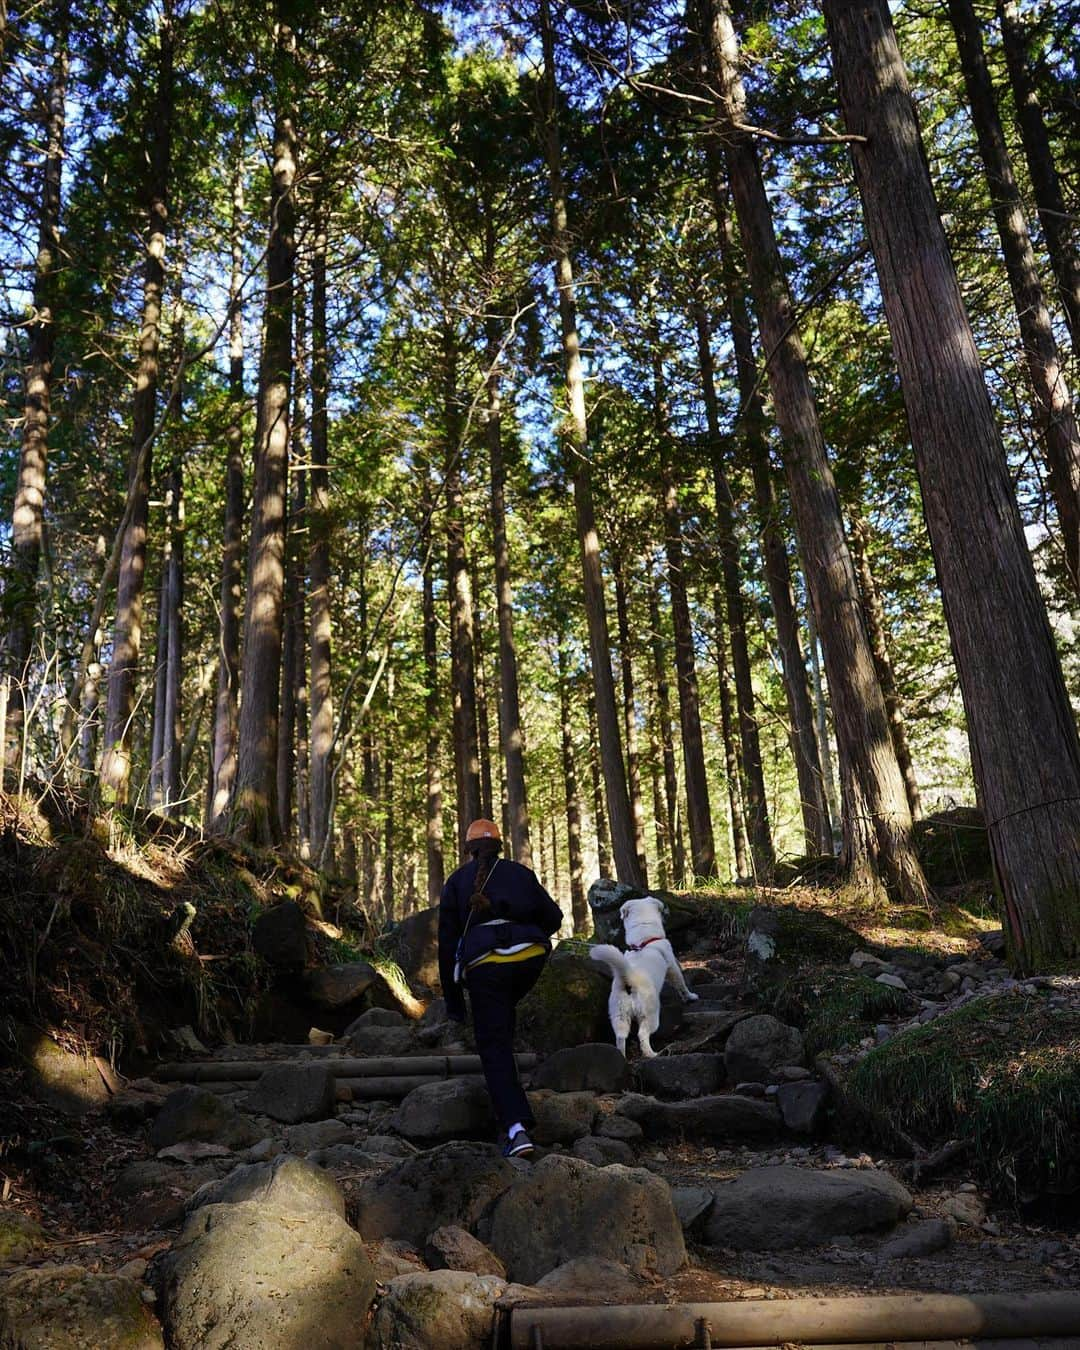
x: 640, y: 946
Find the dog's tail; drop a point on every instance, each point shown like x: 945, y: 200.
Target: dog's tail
x: 620, y: 967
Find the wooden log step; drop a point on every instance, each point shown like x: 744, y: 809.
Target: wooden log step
x: 388, y: 1066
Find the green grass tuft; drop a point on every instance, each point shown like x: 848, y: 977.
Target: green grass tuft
x: 835, y: 1008
x: 1001, y: 1073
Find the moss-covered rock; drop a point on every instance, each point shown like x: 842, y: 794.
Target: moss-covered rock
x: 834, y: 1008
x: 568, y: 1004
x: 20, y: 1236
x: 785, y: 937
x: 1002, y: 1074
x: 66, y: 1081
x: 954, y: 848
x: 69, y: 1308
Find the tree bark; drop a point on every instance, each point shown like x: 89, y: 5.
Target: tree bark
x: 762, y: 855
x: 578, y: 903
x: 483, y: 725
x: 226, y: 708
x: 254, y: 813
x: 878, y: 844
x: 320, y: 522
x: 511, y: 731
x: 1024, y: 747
x: 1052, y: 401
x: 389, y: 885
x: 577, y: 456
x: 28, y: 516
x: 626, y: 667
x: 821, y: 716
x: 1049, y: 201
x: 874, y: 613
x: 667, y: 744
x: 817, y: 828
x: 600, y: 824
x: 433, y: 832
x: 731, y: 759
x: 463, y: 669
x: 127, y: 629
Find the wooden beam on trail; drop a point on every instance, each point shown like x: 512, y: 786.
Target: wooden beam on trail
x: 386, y: 1066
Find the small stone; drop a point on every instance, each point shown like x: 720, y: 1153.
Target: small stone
x: 134, y: 1269
x: 750, y: 1089
x: 603, y: 1152
x: 918, y: 1239
x: 892, y: 981
x: 966, y: 1208
x: 619, y: 1127
x: 292, y: 1093
x: 453, y: 1248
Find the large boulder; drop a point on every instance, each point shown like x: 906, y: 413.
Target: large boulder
x: 253, y: 1275
x: 453, y: 1184
x: 561, y: 1117
x: 606, y: 898
x: 758, y: 1045
x: 454, y: 1248
x: 194, y: 1113
x: 68, y: 1082
x: 451, y: 1309
x: 70, y: 1308
x: 803, y: 1105
x: 724, y: 1116
x: 414, y: 944
x: 564, y: 1208
x: 451, y: 1108
x: 285, y: 1182
x: 333, y: 987
x: 292, y: 1093
x: 280, y: 936
x: 780, y: 938
x: 591, y: 1279
x: 680, y: 1076
x: 568, y: 1004
x: 380, y: 1040
x: 595, y: 1067
x: 768, y: 1208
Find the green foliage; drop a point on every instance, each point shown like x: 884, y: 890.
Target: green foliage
x: 1001, y: 1074
x: 835, y: 1008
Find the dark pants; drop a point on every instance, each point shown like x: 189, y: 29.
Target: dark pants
x: 495, y: 989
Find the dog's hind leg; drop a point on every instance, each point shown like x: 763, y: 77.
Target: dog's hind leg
x: 648, y: 1026
x: 620, y: 1022
x: 675, y: 975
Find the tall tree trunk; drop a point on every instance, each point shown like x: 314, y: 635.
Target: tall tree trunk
x: 878, y: 842
x: 463, y: 669
x: 753, y: 775
x: 817, y: 828
x: 600, y: 824
x: 1049, y: 201
x: 511, y: 732
x: 369, y: 838
x: 389, y: 883
x: 874, y: 613
x: 254, y: 813
x: 667, y: 742
x: 483, y: 725
x: 577, y: 457
x: 433, y: 831
x: 821, y: 717
x: 320, y: 523
x: 698, y: 807
x: 127, y: 629
x: 660, y: 821
x: 1052, y: 402
x: 578, y: 903
x: 1024, y: 747
x: 226, y: 709
x: 291, y: 728
x: 633, y: 770
x: 731, y: 759
x: 172, y: 730
x: 28, y: 516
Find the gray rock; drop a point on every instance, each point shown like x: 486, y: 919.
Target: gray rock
x: 292, y: 1093
x: 803, y: 1106
x: 563, y: 1208
x: 193, y: 1151
x: 252, y: 1275
x: 595, y: 1067
x: 381, y: 1040
x: 726, y: 1116
x: 918, y: 1239
x: 790, y: 1073
x: 378, y: 1017
x: 617, y: 1126
x: 280, y: 936
x: 592, y: 1279
x: 69, y: 1308
x: 68, y: 1082
x: 680, y: 1075
x: 194, y: 1113
x: 692, y: 1204
x: 759, y: 1044
x: 602, y: 1152
x: 867, y: 963
x: 414, y: 944
x: 301, y: 1139
x: 561, y: 1117
x: 453, y: 1108
x: 332, y: 987
x: 453, y: 1184
x: 891, y: 981
x: 772, y: 1208
x: 351, y: 1157
x: 966, y: 1208
x: 454, y: 1248
x: 392, y: 1258
x: 390, y: 1145
x: 606, y: 898
x: 451, y: 1309
x: 287, y: 1183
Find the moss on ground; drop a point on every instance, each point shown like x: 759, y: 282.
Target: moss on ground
x: 835, y: 1008
x: 802, y: 934
x: 1002, y: 1074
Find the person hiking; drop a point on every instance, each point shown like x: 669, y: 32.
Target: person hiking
x: 495, y: 927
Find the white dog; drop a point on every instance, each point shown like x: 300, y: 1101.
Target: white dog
x: 638, y: 974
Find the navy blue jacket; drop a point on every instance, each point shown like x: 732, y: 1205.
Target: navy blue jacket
x: 529, y: 914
